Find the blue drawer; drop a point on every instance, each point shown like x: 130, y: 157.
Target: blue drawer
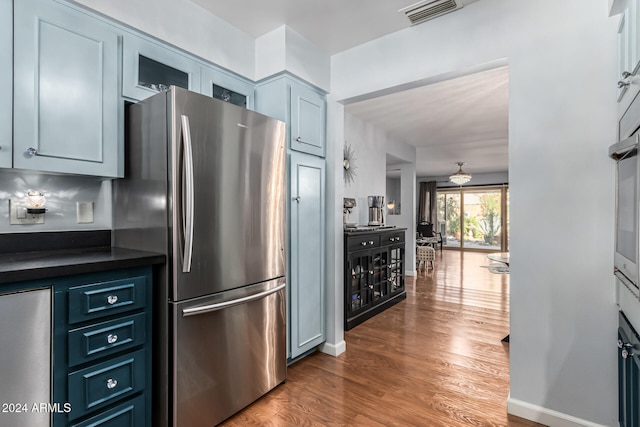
x: 106, y: 338
x: 105, y: 383
x: 128, y: 414
x: 92, y: 301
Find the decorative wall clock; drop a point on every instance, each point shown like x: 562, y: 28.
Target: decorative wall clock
x: 349, y: 164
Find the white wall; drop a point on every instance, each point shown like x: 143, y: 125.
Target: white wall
x: 284, y: 49
x: 188, y: 26
x: 371, y: 146
x: 562, y: 117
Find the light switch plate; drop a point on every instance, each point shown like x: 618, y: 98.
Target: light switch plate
x: 18, y: 214
x: 84, y: 212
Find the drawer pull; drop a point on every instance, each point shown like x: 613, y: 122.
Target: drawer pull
x: 111, y: 383
x: 111, y: 338
x: 371, y: 242
x: 112, y: 299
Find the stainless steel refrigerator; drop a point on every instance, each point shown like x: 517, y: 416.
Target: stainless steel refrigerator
x: 205, y: 184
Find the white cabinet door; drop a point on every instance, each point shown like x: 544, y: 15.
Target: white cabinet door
x: 67, y: 112
x: 6, y: 76
x: 307, y: 250
x: 147, y: 67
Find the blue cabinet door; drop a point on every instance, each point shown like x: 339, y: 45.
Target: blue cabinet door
x: 6, y: 76
x: 308, y: 117
x: 66, y: 106
x: 222, y: 85
x: 303, y: 108
x: 307, y: 275
x: 147, y: 67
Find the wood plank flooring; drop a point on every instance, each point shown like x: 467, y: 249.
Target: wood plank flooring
x: 435, y: 359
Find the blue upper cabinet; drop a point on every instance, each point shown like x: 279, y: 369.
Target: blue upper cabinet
x: 302, y: 107
x: 227, y: 87
x: 6, y: 89
x: 148, y: 68
x: 308, y: 117
x: 67, y: 112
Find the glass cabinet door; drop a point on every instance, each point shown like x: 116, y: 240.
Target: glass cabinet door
x: 227, y: 87
x: 358, y: 286
x: 149, y: 68
x: 380, y: 275
x: 396, y: 269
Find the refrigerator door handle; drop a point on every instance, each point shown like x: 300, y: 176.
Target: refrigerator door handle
x: 187, y: 206
x: 222, y: 305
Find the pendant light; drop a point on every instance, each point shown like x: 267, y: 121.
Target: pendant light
x: 460, y: 177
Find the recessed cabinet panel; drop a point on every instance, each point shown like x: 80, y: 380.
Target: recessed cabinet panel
x: 224, y: 86
x: 307, y: 248
x: 148, y: 68
x: 308, y: 111
x: 6, y: 76
x: 66, y: 72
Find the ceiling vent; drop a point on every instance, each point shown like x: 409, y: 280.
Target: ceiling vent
x: 429, y: 9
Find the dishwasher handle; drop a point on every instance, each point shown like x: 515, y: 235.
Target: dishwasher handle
x: 222, y: 305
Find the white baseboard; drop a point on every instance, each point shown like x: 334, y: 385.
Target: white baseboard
x: 410, y: 273
x: 333, y: 349
x: 545, y: 416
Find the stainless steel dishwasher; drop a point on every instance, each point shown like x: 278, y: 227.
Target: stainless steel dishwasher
x: 25, y: 352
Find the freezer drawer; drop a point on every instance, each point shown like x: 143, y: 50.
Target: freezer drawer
x: 229, y: 350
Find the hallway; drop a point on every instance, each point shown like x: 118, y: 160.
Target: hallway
x: 435, y: 359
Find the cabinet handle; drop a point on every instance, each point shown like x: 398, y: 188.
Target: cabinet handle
x: 31, y: 151
x: 112, y: 299
x: 111, y: 338
x: 626, y: 74
x: 297, y: 199
x: 370, y: 271
x: 371, y: 242
x: 622, y: 83
x: 111, y: 383
x: 363, y: 243
x: 298, y: 139
x: 627, y: 349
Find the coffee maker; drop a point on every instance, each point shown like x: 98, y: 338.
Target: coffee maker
x: 376, y: 204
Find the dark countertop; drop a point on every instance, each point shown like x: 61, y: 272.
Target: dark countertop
x: 372, y: 230
x: 45, y: 255
x: 46, y: 264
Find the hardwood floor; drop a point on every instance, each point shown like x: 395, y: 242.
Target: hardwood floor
x: 435, y: 359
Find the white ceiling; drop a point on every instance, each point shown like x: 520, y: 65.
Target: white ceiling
x: 462, y: 119
x: 459, y: 120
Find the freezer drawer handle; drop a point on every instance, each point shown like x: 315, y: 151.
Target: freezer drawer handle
x: 222, y: 305
x: 187, y: 217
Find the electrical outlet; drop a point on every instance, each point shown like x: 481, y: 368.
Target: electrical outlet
x: 84, y: 211
x: 19, y: 216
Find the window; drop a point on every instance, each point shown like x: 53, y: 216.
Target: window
x: 474, y: 218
